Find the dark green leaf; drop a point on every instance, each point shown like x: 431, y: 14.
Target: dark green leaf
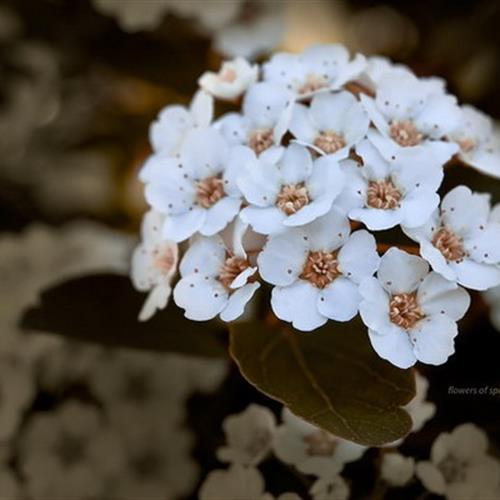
x: 103, y: 308
x: 330, y: 377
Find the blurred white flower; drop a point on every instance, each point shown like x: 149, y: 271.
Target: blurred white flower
x: 378, y: 68
x: 236, y: 483
x: 198, y: 190
x: 312, y: 450
x: 383, y: 194
x: 154, y: 264
x: 317, y: 69
x: 460, y: 241
x: 266, y: 114
x: 396, y: 469
x: 157, y: 462
x: 318, y: 266
x: 249, y: 436
x: 419, y: 408
x: 68, y: 453
x: 216, y: 279
x: 460, y: 467
x: 293, y: 191
x: 331, y: 125
x: 232, y: 80
x: 412, y: 114
x: 173, y: 124
x: 479, y: 145
x: 411, y: 314
x: 332, y: 487
x: 10, y: 486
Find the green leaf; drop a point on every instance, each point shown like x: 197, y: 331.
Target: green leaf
x: 103, y: 309
x: 330, y: 377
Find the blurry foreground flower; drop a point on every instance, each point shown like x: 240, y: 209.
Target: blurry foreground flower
x: 396, y: 469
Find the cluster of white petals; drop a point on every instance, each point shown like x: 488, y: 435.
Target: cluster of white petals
x: 291, y: 188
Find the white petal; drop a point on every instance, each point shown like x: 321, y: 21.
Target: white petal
x: 328, y: 232
x: 168, y: 131
x: 327, y: 178
x: 437, y: 295
x: 395, y: 347
x: 377, y: 219
x: 205, y: 257
x: 358, y: 258
x: 220, y: 215
x: 418, y: 206
x: 267, y: 220
x: 339, y: 300
x: 431, y: 477
x: 374, y: 164
x: 400, y: 272
x: 437, y: 261
x: 308, y: 213
x: 260, y: 184
x: 202, y: 109
x: 157, y: 299
x: 331, y: 111
x: 285, y: 303
x: 283, y: 258
x: 484, y: 246
x: 475, y: 275
x: 440, y: 116
x: 180, y: 227
x: 237, y: 302
x: 301, y: 125
x: 433, y: 339
x: 296, y: 164
x: 243, y: 277
x: 202, y: 299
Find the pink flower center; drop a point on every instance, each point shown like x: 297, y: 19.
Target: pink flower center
x: 404, y: 310
x: 312, y: 84
x: 292, y: 198
x: 383, y: 195
x: 405, y: 133
x: 321, y: 268
x: 466, y: 144
x: 449, y: 244
x: 164, y: 259
x: 228, y: 75
x: 320, y: 444
x: 329, y: 141
x: 233, y: 267
x: 261, y: 139
x: 209, y: 191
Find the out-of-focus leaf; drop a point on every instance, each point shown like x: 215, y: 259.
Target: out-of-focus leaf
x: 103, y: 309
x: 330, y: 377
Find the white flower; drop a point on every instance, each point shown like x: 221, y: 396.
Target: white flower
x: 330, y: 488
x: 157, y: 457
x: 312, y: 450
x: 254, y: 33
x: 69, y: 453
x: 460, y: 241
x: 396, y: 469
x: 249, y: 436
x: 236, y: 483
x: 319, y: 68
x: 173, y: 124
x: 232, y: 80
x: 411, y: 313
x: 265, y: 117
x: 331, y: 125
x: 384, y: 193
x: 460, y: 468
x: 377, y: 68
x: 318, y: 267
x: 419, y: 408
x: 154, y: 264
x: 198, y: 190
x: 412, y: 114
x: 479, y: 145
x: 133, y: 15
x: 293, y: 191
x: 17, y: 390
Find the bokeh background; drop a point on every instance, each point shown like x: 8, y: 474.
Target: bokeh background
x: 81, y: 80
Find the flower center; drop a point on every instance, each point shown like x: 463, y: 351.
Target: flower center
x: 329, y: 142
x: 452, y: 469
x: 404, y: 310
x: 321, y: 268
x: 232, y: 267
x: 449, y: 244
x: 292, y: 198
x: 209, y: 191
x: 405, y: 133
x: 466, y: 144
x: 71, y: 449
x: 312, y: 84
x: 383, y: 195
x: 261, y: 139
x: 164, y: 259
x: 320, y: 444
x: 228, y: 75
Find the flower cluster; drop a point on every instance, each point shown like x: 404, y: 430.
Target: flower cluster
x: 292, y: 187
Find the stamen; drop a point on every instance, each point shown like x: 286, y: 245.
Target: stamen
x: 232, y: 267
x: 383, y: 195
x: 329, y: 141
x: 405, y: 133
x: 292, y: 198
x: 404, y: 310
x: 467, y: 145
x: 312, y: 84
x: 261, y: 139
x: 449, y: 244
x: 320, y: 444
x: 321, y: 268
x: 209, y: 191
